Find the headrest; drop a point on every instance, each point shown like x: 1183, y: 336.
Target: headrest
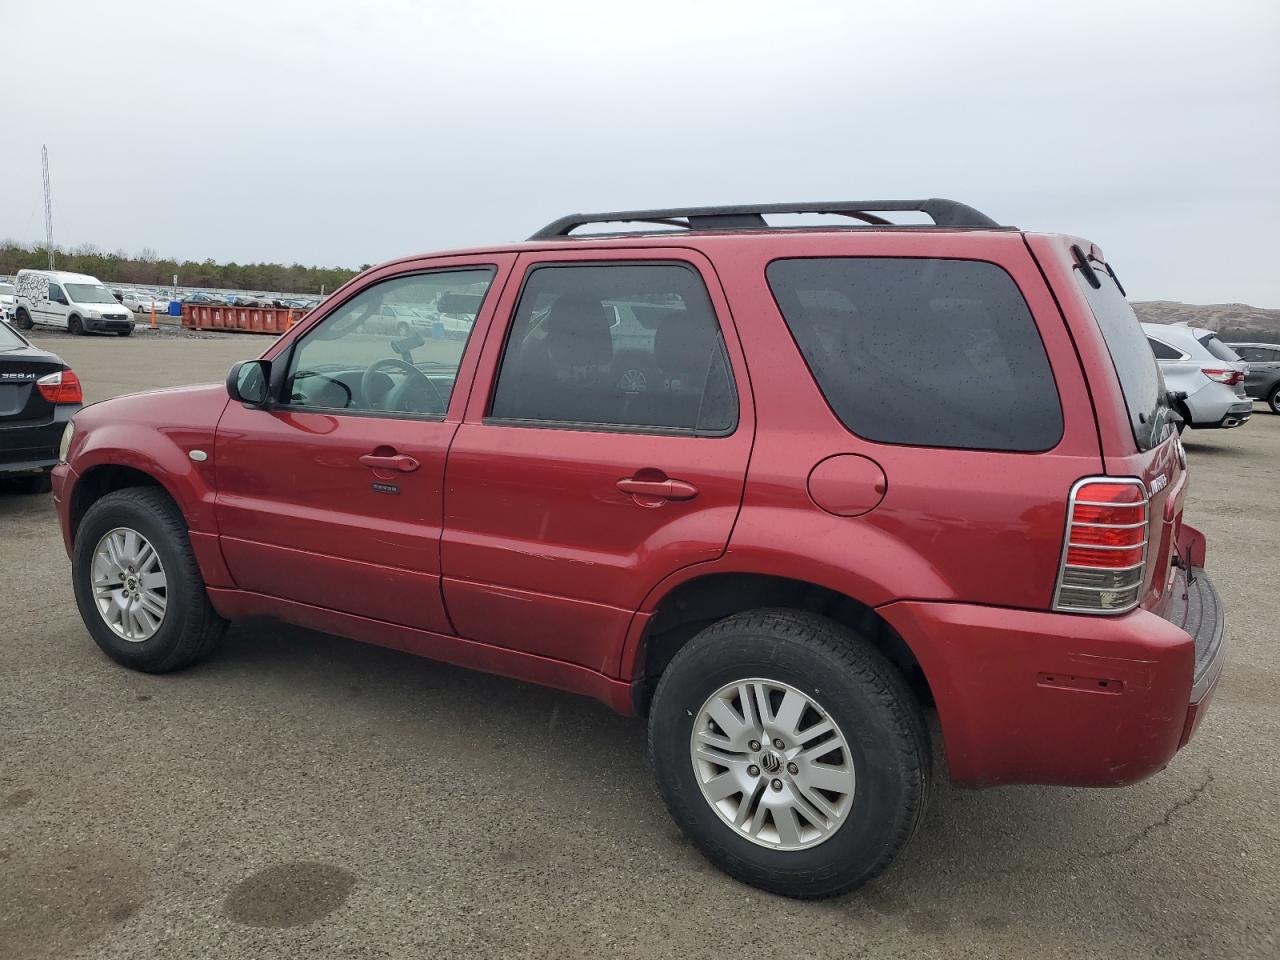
x: 578, y: 331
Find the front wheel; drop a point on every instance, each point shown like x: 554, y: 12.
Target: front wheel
x: 790, y: 751
x: 75, y: 327
x: 137, y: 585
x: 124, y: 333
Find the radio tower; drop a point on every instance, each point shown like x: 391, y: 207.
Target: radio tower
x: 48, y: 205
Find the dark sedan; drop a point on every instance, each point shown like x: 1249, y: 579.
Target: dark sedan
x: 38, y: 397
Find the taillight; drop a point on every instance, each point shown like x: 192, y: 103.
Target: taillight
x: 61, y: 387
x: 1105, y: 551
x: 1229, y: 377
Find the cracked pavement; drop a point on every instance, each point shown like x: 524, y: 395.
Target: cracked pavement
x: 303, y: 795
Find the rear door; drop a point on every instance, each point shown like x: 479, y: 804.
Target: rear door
x: 596, y: 457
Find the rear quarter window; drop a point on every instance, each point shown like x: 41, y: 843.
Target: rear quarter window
x: 924, y: 352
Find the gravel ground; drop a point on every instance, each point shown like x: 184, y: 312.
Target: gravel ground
x: 303, y: 795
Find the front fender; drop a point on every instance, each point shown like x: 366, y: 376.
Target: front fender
x: 163, y: 454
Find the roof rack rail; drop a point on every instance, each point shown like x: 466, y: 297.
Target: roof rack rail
x: 945, y: 213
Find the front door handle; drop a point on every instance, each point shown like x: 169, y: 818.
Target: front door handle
x: 662, y: 489
x: 396, y: 461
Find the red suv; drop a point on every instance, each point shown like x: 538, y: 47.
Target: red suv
x: 785, y: 491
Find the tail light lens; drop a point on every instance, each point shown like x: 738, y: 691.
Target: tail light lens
x: 1105, y: 550
x: 1229, y: 377
x: 61, y: 387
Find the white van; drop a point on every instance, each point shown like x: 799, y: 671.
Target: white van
x: 72, y: 301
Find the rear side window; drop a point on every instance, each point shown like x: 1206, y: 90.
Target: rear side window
x: 631, y: 346
x: 935, y: 353
x: 1219, y: 349
x: 1140, y: 379
x: 1163, y: 351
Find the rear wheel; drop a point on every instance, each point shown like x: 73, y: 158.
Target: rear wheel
x: 790, y: 751
x: 23, y: 320
x: 1273, y: 400
x: 75, y: 327
x: 137, y: 585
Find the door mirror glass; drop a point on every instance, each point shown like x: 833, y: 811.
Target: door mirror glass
x: 247, y: 382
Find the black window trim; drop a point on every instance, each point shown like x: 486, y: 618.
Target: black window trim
x: 1035, y: 322
x: 1181, y: 354
x: 278, y: 386
x: 588, y: 426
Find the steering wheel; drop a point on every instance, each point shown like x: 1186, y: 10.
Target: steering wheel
x: 395, y: 398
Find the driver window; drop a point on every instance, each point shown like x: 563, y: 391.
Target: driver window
x: 393, y: 348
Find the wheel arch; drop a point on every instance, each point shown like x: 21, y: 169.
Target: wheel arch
x: 696, y: 602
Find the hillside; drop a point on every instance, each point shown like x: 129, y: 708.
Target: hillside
x: 1232, y: 321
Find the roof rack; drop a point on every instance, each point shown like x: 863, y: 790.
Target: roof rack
x: 945, y: 213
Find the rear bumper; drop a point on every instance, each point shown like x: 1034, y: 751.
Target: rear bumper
x: 1237, y: 415
x: 1036, y: 697
x: 30, y: 449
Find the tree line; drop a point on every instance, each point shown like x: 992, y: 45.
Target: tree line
x: 147, y: 268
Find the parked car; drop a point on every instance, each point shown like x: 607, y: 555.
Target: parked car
x: 1263, y: 379
x: 74, y: 302
x: 38, y: 396
x: 774, y: 551
x: 141, y: 301
x: 8, y: 297
x: 1196, y: 363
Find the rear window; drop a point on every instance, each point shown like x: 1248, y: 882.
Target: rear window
x: 1141, y: 381
x: 1218, y: 348
x: 926, y: 352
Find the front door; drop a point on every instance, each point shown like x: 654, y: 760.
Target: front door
x: 608, y: 450
x: 332, y: 495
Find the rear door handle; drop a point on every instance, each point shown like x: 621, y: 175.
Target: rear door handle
x: 665, y: 489
x: 398, y: 461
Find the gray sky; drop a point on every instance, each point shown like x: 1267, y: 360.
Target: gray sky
x: 349, y: 133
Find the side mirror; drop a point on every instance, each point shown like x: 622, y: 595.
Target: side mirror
x: 247, y: 382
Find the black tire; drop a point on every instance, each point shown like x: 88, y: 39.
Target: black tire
x: 23, y: 320
x: 190, y: 628
x: 859, y: 689
x: 75, y: 327
x: 1185, y: 414
x: 124, y: 333
x: 403, y: 329
x: 32, y: 483
x: 1273, y: 399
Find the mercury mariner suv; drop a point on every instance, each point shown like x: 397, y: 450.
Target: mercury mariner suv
x: 784, y: 490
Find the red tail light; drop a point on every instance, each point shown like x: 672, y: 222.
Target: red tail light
x: 61, y: 387
x: 1229, y: 377
x: 1105, y: 550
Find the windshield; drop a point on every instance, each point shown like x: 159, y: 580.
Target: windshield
x: 10, y: 340
x: 1219, y: 349
x: 89, y: 293
x: 6, y: 290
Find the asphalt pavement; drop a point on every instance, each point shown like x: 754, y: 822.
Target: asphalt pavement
x: 302, y: 795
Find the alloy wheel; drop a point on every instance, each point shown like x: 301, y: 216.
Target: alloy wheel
x: 773, y: 764
x: 130, y: 588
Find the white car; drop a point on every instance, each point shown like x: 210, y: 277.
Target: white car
x: 1210, y: 374
x: 74, y: 302
x: 8, y: 298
